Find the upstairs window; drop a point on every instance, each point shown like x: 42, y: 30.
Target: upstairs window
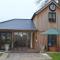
x: 52, y: 17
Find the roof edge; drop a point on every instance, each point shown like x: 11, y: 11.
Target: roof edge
x: 14, y: 19
x: 46, y: 5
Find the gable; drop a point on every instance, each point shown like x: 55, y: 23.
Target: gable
x: 44, y: 7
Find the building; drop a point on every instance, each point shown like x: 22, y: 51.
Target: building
x: 47, y: 23
x: 42, y: 32
x: 18, y: 31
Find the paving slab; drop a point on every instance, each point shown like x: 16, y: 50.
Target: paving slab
x: 4, y: 56
x: 28, y: 56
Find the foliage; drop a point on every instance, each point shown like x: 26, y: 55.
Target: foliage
x: 7, y: 41
x: 59, y: 2
x: 38, y: 1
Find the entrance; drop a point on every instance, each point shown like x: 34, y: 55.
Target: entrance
x: 22, y: 39
x: 52, y: 42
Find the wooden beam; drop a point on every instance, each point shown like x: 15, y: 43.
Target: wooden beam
x: 12, y: 39
x: 31, y: 41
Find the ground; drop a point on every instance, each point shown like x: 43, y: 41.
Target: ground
x: 1, y: 54
x: 55, y: 56
x: 27, y: 56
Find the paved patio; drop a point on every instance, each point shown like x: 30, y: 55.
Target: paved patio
x: 28, y: 56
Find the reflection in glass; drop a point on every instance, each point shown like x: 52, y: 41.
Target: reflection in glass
x: 22, y: 39
x: 4, y: 36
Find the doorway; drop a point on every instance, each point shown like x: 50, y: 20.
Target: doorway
x: 52, y: 42
x: 22, y: 39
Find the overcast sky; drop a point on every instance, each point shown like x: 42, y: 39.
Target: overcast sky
x: 10, y: 9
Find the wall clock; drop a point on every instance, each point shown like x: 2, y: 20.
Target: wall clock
x: 52, y: 7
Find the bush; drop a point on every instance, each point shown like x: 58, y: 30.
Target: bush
x: 7, y: 41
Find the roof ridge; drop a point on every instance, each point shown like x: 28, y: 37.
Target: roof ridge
x: 43, y: 7
x: 14, y: 19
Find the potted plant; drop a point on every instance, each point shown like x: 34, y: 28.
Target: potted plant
x: 7, y: 44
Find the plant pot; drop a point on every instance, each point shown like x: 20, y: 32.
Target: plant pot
x: 6, y: 47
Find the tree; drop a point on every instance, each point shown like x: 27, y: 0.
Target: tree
x: 58, y: 1
x: 38, y: 1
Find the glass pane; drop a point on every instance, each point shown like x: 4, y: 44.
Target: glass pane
x: 16, y: 33
x: 4, y: 37
x: 22, y: 39
x: 52, y: 40
x: 52, y: 17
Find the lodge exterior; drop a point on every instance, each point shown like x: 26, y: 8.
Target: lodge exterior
x: 47, y: 22
x: 40, y: 32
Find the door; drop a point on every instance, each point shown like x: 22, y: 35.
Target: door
x: 22, y: 39
x: 52, y: 42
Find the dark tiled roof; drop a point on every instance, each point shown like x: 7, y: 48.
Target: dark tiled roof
x: 18, y: 24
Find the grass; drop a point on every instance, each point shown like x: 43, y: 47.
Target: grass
x: 55, y: 56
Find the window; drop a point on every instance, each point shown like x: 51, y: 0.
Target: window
x: 52, y: 16
x: 22, y: 39
x: 52, y: 40
x: 4, y: 36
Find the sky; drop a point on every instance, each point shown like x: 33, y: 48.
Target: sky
x: 23, y: 9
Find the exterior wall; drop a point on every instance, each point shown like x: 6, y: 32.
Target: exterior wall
x: 57, y: 24
x: 42, y: 24
x: 58, y: 42
x: 58, y: 17
x: 41, y: 20
x: 41, y: 39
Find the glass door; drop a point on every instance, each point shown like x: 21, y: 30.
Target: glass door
x: 22, y: 39
x: 52, y: 42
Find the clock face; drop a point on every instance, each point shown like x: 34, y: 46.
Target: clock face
x: 52, y: 7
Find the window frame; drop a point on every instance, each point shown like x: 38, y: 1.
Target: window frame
x: 53, y: 40
x: 52, y: 17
